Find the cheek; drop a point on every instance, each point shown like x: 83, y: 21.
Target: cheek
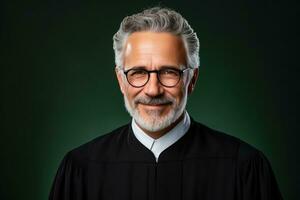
x: 177, y: 93
x: 131, y: 93
x: 182, y: 93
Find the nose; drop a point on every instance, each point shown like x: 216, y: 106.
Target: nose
x: 153, y: 88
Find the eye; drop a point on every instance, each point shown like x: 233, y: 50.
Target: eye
x: 169, y: 72
x: 137, y: 72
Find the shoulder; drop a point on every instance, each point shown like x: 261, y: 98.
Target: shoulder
x: 217, y: 143
x: 101, y: 148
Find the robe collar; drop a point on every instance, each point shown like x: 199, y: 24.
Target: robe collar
x: 157, y: 146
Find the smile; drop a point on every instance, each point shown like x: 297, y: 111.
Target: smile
x: 155, y: 105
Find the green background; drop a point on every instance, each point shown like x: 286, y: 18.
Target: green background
x: 58, y: 88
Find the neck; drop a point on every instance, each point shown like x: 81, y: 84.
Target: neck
x: 158, y: 134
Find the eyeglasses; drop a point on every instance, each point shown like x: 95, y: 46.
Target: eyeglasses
x: 168, y: 77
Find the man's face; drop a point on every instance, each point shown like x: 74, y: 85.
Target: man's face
x: 154, y: 106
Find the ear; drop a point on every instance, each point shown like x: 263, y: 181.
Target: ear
x: 193, y: 81
x: 120, y: 79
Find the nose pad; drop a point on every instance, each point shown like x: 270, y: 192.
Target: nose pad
x: 153, y: 87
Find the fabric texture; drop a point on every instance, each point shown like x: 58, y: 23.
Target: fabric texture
x: 203, y: 164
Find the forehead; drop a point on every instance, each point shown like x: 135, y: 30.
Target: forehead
x: 154, y: 49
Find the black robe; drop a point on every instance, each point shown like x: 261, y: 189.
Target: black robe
x: 202, y: 165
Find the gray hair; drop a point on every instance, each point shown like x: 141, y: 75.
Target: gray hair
x: 158, y: 19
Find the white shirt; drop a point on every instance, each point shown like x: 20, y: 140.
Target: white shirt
x: 157, y: 146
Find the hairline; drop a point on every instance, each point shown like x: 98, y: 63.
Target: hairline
x: 181, y: 36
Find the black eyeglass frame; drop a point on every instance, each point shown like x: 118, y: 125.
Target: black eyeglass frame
x: 180, y: 71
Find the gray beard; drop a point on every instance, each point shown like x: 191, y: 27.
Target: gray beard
x: 154, y: 122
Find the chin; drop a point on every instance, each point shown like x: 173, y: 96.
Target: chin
x: 154, y: 120
x: 153, y: 124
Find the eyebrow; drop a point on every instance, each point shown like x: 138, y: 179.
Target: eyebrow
x: 136, y: 67
x: 161, y: 67
x: 170, y: 67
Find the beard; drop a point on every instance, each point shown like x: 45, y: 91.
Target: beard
x: 153, y: 121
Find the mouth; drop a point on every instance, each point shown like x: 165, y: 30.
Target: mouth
x: 154, y: 103
x: 155, y: 106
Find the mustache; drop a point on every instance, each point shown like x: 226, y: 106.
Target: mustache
x: 154, y: 100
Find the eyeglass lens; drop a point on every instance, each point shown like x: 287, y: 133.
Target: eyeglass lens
x: 140, y: 77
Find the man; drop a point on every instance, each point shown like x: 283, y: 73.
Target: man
x: 163, y: 153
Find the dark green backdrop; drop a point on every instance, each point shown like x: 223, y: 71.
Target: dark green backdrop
x: 58, y: 88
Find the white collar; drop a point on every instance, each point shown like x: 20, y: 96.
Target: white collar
x: 157, y: 146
